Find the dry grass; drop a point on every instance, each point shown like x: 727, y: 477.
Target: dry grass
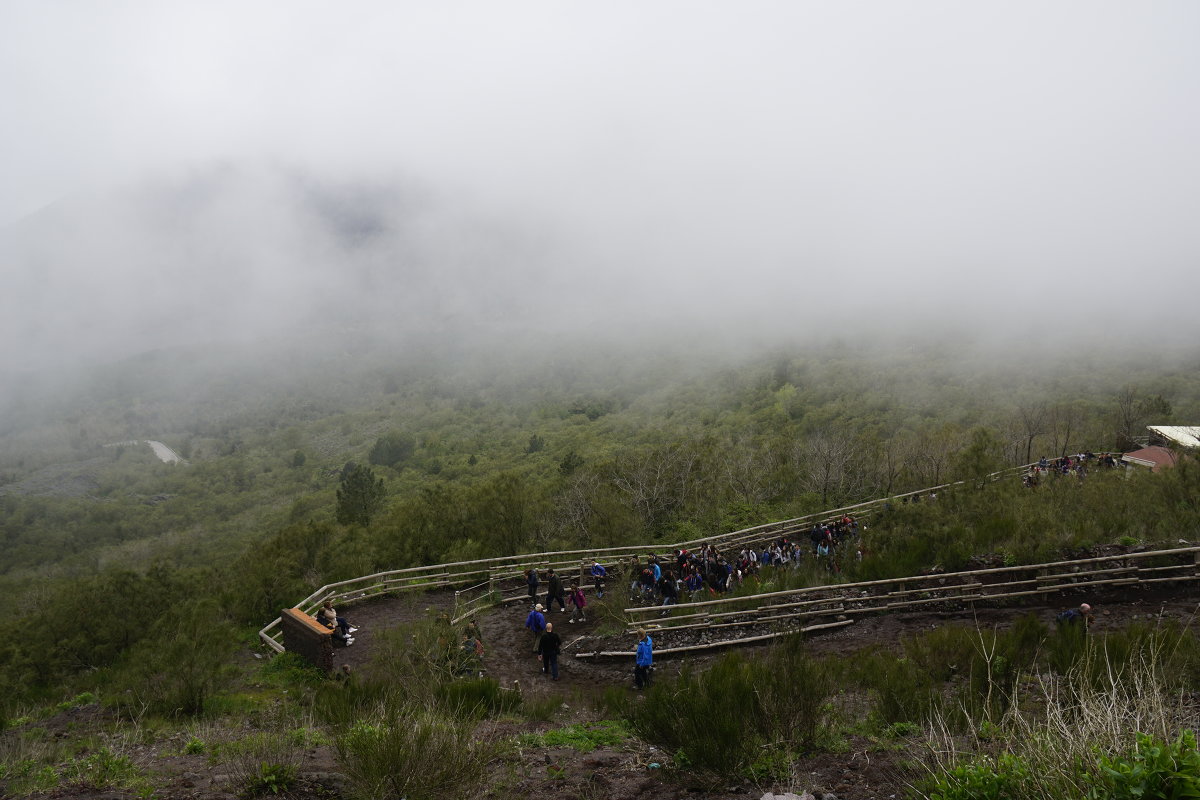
x: 1063, y: 724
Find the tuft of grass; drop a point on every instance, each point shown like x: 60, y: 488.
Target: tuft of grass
x: 473, y: 698
x: 541, y: 709
x: 264, y: 763
x: 585, y: 737
x: 288, y: 669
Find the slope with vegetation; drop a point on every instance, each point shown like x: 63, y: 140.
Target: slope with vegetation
x: 153, y: 566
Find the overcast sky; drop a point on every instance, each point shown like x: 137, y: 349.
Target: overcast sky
x: 678, y: 161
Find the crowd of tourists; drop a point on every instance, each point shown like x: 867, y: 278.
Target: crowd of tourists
x: 709, y: 571
x: 1077, y: 465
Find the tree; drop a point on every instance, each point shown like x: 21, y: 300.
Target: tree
x: 360, y: 496
x: 1134, y: 412
x: 570, y: 462
x: 1066, y: 418
x: 829, y: 463
x: 536, y: 444
x: 1032, y: 418
x: 392, y: 449
x: 981, y: 457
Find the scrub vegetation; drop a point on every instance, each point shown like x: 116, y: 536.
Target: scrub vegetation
x: 139, y: 581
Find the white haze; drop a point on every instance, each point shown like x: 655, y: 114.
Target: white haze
x: 180, y: 173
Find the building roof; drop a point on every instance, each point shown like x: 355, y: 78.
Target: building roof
x: 1153, y: 457
x: 1185, y: 435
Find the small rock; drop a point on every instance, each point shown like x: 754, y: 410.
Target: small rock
x: 334, y: 782
x: 829, y: 796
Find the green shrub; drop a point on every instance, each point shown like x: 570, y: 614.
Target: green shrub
x: 903, y: 690
x: 178, y: 668
x: 901, y: 730
x: 264, y: 763
x: 739, y: 717
x: 711, y: 716
x: 794, y: 689
x: 416, y: 754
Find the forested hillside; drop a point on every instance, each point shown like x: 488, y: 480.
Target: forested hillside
x: 302, y: 469
x: 494, y: 453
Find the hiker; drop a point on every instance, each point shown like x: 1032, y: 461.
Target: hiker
x: 531, y: 580
x: 536, y: 623
x: 668, y: 589
x: 599, y: 573
x: 1075, y: 616
x: 342, y: 629
x: 575, y: 596
x: 548, y: 649
x: 554, y: 591
x: 645, y: 660
x: 646, y: 585
x: 470, y: 655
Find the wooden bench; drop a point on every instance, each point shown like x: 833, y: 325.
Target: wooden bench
x: 306, y: 637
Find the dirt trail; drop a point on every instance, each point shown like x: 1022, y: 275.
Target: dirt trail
x: 510, y: 660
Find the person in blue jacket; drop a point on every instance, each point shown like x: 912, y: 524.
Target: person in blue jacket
x: 599, y: 573
x: 645, y: 660
x: 536, y: 623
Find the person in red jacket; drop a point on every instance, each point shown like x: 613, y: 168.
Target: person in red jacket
x: 575, y: 598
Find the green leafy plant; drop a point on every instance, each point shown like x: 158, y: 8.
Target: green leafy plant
x: 1155, y: 769
x: 982, y: 779
x: 270, y: 778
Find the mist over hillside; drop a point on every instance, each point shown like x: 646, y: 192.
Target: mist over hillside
x: 796, y: 176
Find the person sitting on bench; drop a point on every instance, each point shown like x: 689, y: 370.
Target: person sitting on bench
x: 342, y: 629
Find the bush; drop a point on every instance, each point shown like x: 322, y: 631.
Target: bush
x: 739, y: 716
x: 904, y: 690
x: 416, y: 754
x: 712, y: 717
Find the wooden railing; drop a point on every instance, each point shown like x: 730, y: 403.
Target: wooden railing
x: 749, y: 618
x: 493, y: 571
